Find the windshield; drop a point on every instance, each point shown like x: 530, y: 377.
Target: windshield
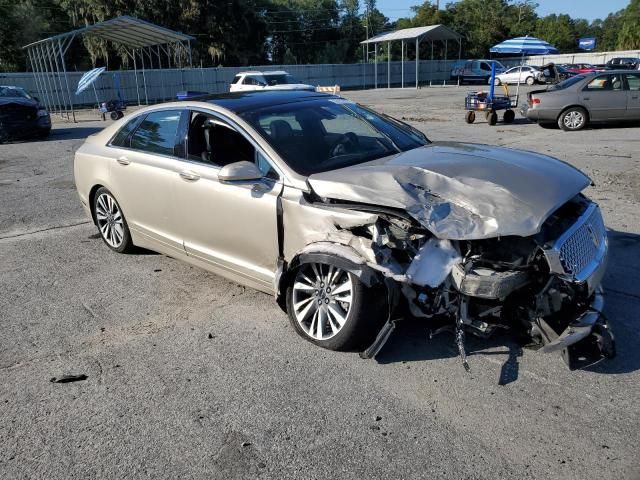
x: 567, y: 83
x: 321, y: 135
x: 13, y: 92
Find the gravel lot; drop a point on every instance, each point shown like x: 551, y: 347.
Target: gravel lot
x: 190, y: 376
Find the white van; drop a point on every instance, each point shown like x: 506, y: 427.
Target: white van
x: 475, y: 71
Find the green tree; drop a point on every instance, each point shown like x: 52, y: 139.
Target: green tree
x: 629, y: 36
x: 558, y: 30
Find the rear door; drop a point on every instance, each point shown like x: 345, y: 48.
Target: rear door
x: 633, y: 96
x: 605, y: 97
x: 142, y: 175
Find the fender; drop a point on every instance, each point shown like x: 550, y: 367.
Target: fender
x: 341, y: 256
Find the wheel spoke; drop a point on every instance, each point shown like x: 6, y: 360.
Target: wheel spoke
x: 303, y: 286
x: 322, y: 315
x: 298, y: 306
x: 345, y: 299
x: 343, y: 288
x: 304, y: 313
x: 338, y: 314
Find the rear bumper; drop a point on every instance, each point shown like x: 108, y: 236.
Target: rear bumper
x: 538, y: 115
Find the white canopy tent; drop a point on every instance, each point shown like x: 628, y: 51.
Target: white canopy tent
x: 432, y: 33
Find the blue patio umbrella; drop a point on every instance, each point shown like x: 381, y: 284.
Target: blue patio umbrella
x: 524, y: 46
x: 88, y: 78
x: 521, y: 46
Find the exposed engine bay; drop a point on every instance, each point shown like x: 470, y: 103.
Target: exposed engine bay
x: 543, y: 288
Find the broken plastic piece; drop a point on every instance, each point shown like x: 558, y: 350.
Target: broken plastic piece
x: 433, y: 263
x: 380, y: 340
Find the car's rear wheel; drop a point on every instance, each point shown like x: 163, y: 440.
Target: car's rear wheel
x: 573, y: 119
x: 111, y: 222
x: 333, y: 309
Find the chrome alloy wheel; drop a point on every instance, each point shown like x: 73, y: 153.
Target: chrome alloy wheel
x: 322, y: 297
x: 109, y: 218
x: 573, y: 120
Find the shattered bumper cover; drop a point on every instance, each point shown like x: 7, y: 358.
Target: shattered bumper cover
x: 586, y: 340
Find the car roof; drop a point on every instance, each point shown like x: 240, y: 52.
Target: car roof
x: 257, y: 72
x: 239, y: 102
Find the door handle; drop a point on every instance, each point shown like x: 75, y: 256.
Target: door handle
x: 189, y: 175
x: 123, y: 161
x: 586, y: 98
x: 635, y: 98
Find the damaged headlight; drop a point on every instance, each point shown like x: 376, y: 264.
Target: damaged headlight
x: 487, y: 283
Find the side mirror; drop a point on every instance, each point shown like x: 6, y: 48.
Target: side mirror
x: 239, y: 172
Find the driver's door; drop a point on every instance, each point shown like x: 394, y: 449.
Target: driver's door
x: 231, y: 227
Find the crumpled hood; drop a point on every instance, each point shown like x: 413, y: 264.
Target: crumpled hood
x: 461, y: 191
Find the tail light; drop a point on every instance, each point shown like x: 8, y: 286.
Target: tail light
x: 534, y: 101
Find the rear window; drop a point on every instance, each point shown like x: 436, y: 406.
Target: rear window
x: 157, y: 133
x: 568, y: 82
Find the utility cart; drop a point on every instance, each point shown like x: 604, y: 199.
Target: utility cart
x: 489, y: 103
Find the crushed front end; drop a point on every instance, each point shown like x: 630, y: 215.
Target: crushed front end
x: 544, y: 288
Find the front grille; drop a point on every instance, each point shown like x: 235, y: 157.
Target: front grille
x: 582, y: 246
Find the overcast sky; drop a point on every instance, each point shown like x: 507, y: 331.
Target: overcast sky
x: 589, y: 9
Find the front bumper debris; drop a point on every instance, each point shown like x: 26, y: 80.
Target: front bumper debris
x: 586, y: 340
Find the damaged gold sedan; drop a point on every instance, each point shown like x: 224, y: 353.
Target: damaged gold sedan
x: 353, y: 219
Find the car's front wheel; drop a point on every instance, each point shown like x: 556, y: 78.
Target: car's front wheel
x: 530, y: 81
x: 572, y: 119
x: 333, y: 309
x: 111, y: 222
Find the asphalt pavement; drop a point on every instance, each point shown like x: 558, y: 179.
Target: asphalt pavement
x: 191, y: 376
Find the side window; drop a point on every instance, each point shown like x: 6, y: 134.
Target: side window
x: 213, y: 142
x: 252, y: 80
x: 605, y: 83
x: 121, y: 139
x: 633, y: 80
x: 157, y: 132
x: 485, y: 66
x: 236, y: 79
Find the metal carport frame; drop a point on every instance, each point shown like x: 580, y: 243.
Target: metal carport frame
x: 136, y: 37
x: 433, y: 33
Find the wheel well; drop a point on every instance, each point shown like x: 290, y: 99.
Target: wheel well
x: 92, y: 194
x: 366, y: 274
x: 573, y: 106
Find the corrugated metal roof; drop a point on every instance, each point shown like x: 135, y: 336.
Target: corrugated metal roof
x: 431, y: 32
x: 125, y: 30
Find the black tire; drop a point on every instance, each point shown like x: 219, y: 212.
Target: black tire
x: 492, y: 118
x: 530, y: 81
x: 99, y: 206
x: 509, y: 116
x: 470, y: 116
x: 114, y: 115
x: 366, y: 314
x: 573, y: 119
x: 120, y: 114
